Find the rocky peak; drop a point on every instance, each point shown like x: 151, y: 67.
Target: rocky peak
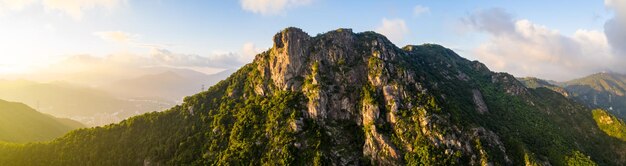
x: 398, y: 97
x: 289, y: 55
x: 290, y: 37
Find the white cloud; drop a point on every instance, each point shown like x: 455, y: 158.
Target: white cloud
x: 129, y: 39
x: 14, y: 5
x: 249, y: 51
x: 271, y: 7
x: 495, y: 21
x: 419, y: 10
x: 116, y: 36
x: 394, y: 29
x: 615, y: 27
x: 119, y: 62
x: 75, y: 8
x: 164, y: 57
x: 160, y: 56
x: 96, y: 70
x: 527, y: 49
x: 619, y: 6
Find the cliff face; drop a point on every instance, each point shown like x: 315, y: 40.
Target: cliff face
x: 333, y: 71
x: 345, y: 98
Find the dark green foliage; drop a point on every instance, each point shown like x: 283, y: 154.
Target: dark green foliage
x: 542, y: 121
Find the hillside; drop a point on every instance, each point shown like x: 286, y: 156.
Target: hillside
x: 601, y: 90
x: 344, y: 98
x: 20, y: 123
x: 532, y: 82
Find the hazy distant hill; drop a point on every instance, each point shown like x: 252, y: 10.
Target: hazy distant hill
x: 171, y: 85
x: 605, y: 90
x: 532, y: 82
x: 114, y: 100
x: 87, y: 105
x: 20, y: 123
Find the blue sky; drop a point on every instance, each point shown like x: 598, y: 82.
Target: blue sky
x: 40, y: 32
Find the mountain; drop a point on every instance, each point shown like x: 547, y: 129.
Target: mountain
x: 604, y: 90
x: 532, y: 82
x: 171, y: 84
x: 20, y: 123
x: 344, y: 98
x: 90, y: 106
x: 111, y: 102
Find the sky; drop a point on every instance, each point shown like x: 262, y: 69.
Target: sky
x: 557, y: 39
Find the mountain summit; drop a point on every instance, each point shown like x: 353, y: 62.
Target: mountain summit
x: 345, y: 98
x: 605, y: 90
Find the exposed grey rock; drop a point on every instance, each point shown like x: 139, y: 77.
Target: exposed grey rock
x: 291, y: 53
x: 481, y: 107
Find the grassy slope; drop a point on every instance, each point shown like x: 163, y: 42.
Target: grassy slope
x: 20, y: 123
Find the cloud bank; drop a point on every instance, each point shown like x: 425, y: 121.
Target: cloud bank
x: 163, y: 57
x: 89, y: 69
x: 523, y: 48
x: 615, y: 28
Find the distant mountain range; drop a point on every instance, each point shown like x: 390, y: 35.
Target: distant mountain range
x: 90, y: 106
x: 171, y: 85
x: 602, y: 90
x: 606, y: 90
x: 110, y: 103
x: 532, y: 82
x: 20, y: 123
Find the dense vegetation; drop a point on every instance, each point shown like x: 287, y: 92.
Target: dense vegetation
x: 610, y: 124
x: 210, y: 128
x: 539, y: 123
x: 248, y: 120
x: 20, y: 123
